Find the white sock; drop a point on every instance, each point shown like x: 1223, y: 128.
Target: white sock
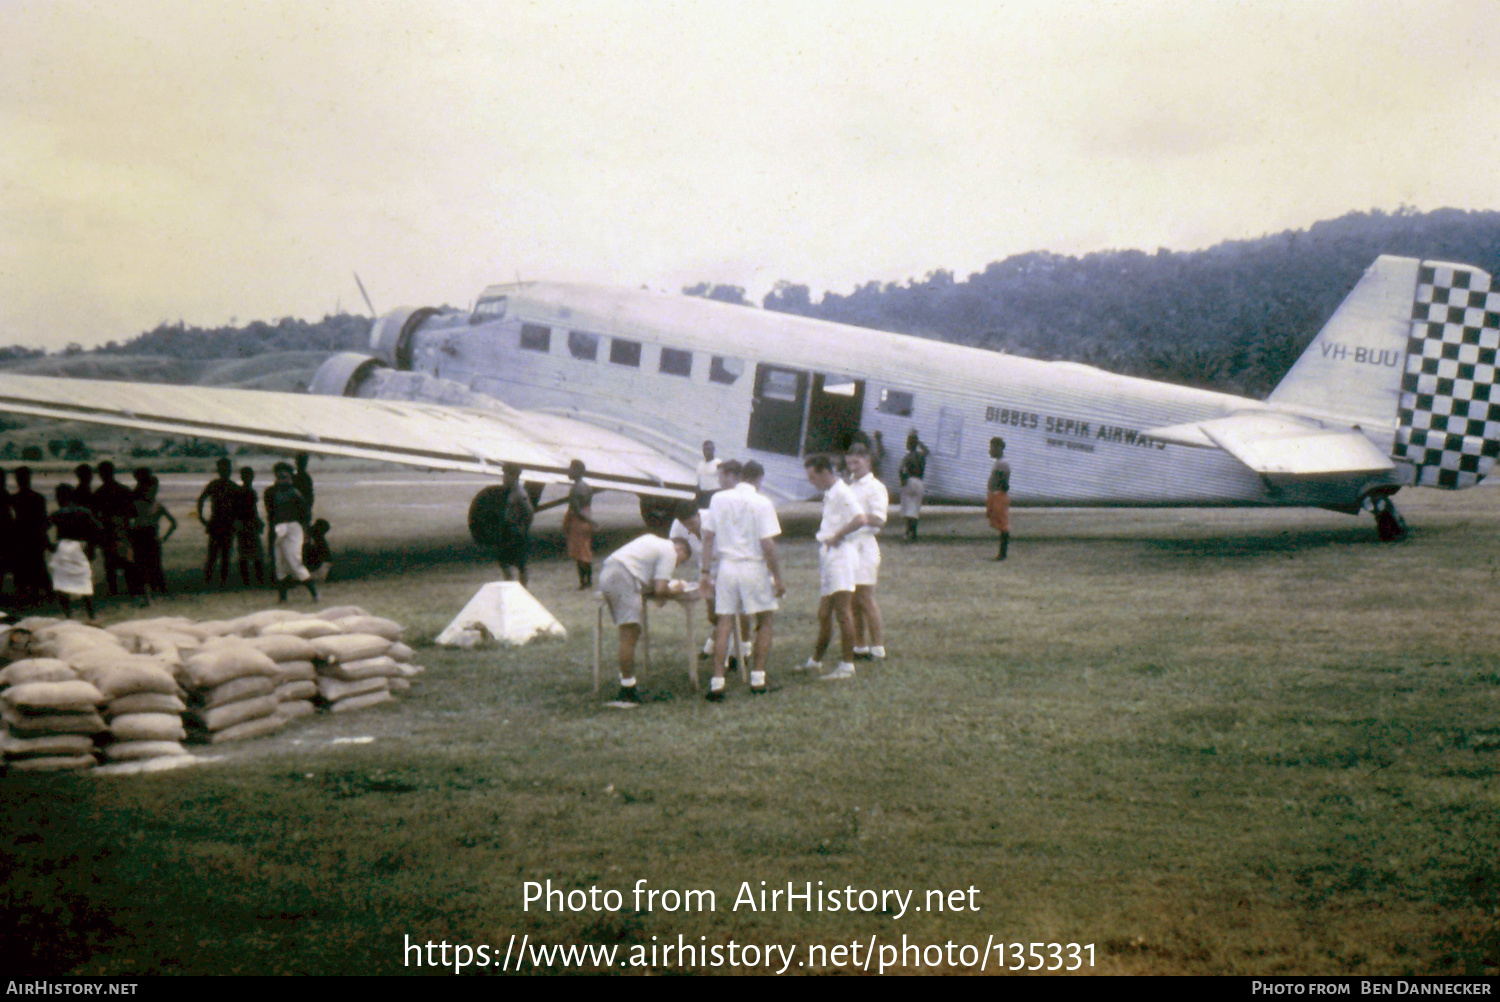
x: 811, y: 663
x: 861, y: 650
x: 715, y: 684
x: 627, y: 683
x: 757, y: 678
x: 877, y: 652
x: 845, y: 664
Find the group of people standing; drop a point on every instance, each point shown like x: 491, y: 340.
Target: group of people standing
x: 47, y: 553
x: 732, y: 535
x: 53, y: 553
x: 230, y: 513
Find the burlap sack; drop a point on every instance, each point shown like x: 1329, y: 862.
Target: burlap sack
x: 307, y: 629
x: 283, y: 647
x: 249, y: 729
x: 247, y: 687
x: 68, y: 638
x: 332, y: 690
x: 222, y: 717
x: 50, y: 763
x: 37, y: 670
x: 147, y: 727
x: 217, y: 628
x: 288, y: 692
x: 134, y: 751
x: 380, y: 627
x: 27, y: 725
x: 136, y: 675
x: 15, y: 746
x: 38, y: 696
x: 400, y: 652
x: 339, y: 612
x: 146, y: 702
x: 294, y: 708
x: 226, y: 662
x: 251, y: 625
x: 295, y: 671
x: 353, y: 671
x: 361, y: 702
x: 351, y: 647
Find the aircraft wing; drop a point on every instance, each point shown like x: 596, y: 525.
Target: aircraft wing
x: 1278, y: 445
x: 431, y: 436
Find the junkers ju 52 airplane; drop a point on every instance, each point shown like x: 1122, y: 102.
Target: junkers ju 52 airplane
x: 1394, y: 391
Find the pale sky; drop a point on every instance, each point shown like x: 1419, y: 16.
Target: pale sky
x: 206, y: 161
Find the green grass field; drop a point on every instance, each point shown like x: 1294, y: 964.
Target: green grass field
x: 1201, y: 741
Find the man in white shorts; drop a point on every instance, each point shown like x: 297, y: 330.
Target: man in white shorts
x: 837, y: 556
x: 874, y: 501
x: 640, y: 569
x: 740, y: 535
x: 689, y: 525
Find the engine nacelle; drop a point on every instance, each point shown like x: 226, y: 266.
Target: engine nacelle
x: 343, y: 374
x: 391, y: 335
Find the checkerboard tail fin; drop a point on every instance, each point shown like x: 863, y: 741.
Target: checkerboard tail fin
x: 1412, y: 346
x: 1448, y: 416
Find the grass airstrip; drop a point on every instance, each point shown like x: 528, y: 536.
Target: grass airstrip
x: 1188, y: 741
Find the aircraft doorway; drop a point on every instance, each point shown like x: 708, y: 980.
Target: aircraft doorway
x: 776, y: 410
x: 833, y: 413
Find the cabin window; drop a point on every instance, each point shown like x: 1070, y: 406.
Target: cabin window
x: 897, y: 402
x: 583, y: 345
x: 725, y: 370
x: 623, y: 352
x: 535, y: 337
x: 676, y: 362
x: 781, y: 384
x: 488, y: 309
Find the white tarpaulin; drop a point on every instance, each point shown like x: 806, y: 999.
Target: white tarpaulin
x: 504, y: 611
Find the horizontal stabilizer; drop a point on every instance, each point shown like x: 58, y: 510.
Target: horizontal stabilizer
x: 431, y: 436
x: 1275, y: 445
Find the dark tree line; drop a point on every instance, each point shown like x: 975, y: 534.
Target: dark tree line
x: 343, y: 332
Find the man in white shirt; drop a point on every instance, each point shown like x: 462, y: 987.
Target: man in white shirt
x: 640, y: 569
x: 708, y: 476
x: 837, y: 557
x: 874, y: 501
x: 741, y: 536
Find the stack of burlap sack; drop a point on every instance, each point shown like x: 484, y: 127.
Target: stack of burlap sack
x: 84, y: 693
x: 339, y: 659
x: 136, y: 690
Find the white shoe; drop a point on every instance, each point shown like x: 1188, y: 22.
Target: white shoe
x: 843, y: 671
x: 809, y: 665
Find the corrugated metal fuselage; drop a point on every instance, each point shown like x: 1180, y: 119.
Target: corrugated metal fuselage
x: 674, y: 371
